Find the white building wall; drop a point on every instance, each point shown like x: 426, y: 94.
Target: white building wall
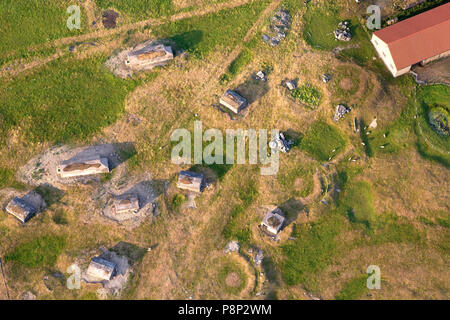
x: 385, y: 54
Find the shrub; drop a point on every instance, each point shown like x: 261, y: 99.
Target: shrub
x: 438, y: 119
x: 308, y: 95
x: 177, y: 201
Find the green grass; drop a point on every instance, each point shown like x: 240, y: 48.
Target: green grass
x: 321, y: 19
x: 31, y: 22
x: 394, y: 229
x: 313, y: 250
x: 177, y: 201
x: 39, y: 252
x: 357, y: 202
x: 242, y: 60
x: 287, y: 178
x: 430, y: 144
x: 201, y: 35
x: 321, y: 139
x: 65, y: 101
x: 235, y: 229
x: 308, y: 95
x: 354, y: 289
x: 139, y: 9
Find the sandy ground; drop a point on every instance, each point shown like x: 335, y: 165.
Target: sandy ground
x: 42, y: 168
x: 435, y: 72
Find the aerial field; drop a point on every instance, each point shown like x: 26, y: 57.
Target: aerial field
x: 351, y: 198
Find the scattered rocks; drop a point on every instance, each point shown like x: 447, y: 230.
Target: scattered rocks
x: 373, y: 124
x: 232, y: 246
x: 261, y: 76
x: 279, y: 26
x: 28, y: 295
x: 258, y: 257
x: 341, y: 111
x: 281, y: 143
x: 343, y: 32
x: 326, y: 78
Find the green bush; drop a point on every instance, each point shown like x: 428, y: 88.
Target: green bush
x: 438, y: 119
x: 39, y: 252
x: 177, y: 201
x: 308, y: 95
x: 238, y: 64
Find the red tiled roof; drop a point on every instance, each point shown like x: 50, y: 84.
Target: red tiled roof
x: 418, y: 38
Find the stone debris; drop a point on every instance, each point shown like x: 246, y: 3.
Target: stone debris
x: 258, y: 257
x: 261, y: 76
x: 341, y: 111
x: 28, y: 295
x: 232, y: 246
x: 281, y: 143
x: 343, y: 32
x: 280, y: 24
x: 326, y: 78
x: 290, y: 85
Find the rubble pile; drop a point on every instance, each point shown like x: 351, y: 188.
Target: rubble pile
x: 341, y: 111
x: 343, y: 32
x: 281, y: 143
x: 280, y: 25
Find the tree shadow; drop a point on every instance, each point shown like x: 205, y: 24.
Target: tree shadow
x: 133, y: 252
x: 187, y: 41
x: 253, y: 90
x: 49, y: 193
x: 146, y: 191
x: 291, y: 209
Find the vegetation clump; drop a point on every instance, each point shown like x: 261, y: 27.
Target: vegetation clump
x: 438, y: 119
x: 308, y: 95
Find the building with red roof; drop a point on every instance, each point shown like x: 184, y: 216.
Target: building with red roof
x: 420, y: 39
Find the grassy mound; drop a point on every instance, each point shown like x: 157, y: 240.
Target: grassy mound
x: 320, y: 141
x: 231, y: 277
